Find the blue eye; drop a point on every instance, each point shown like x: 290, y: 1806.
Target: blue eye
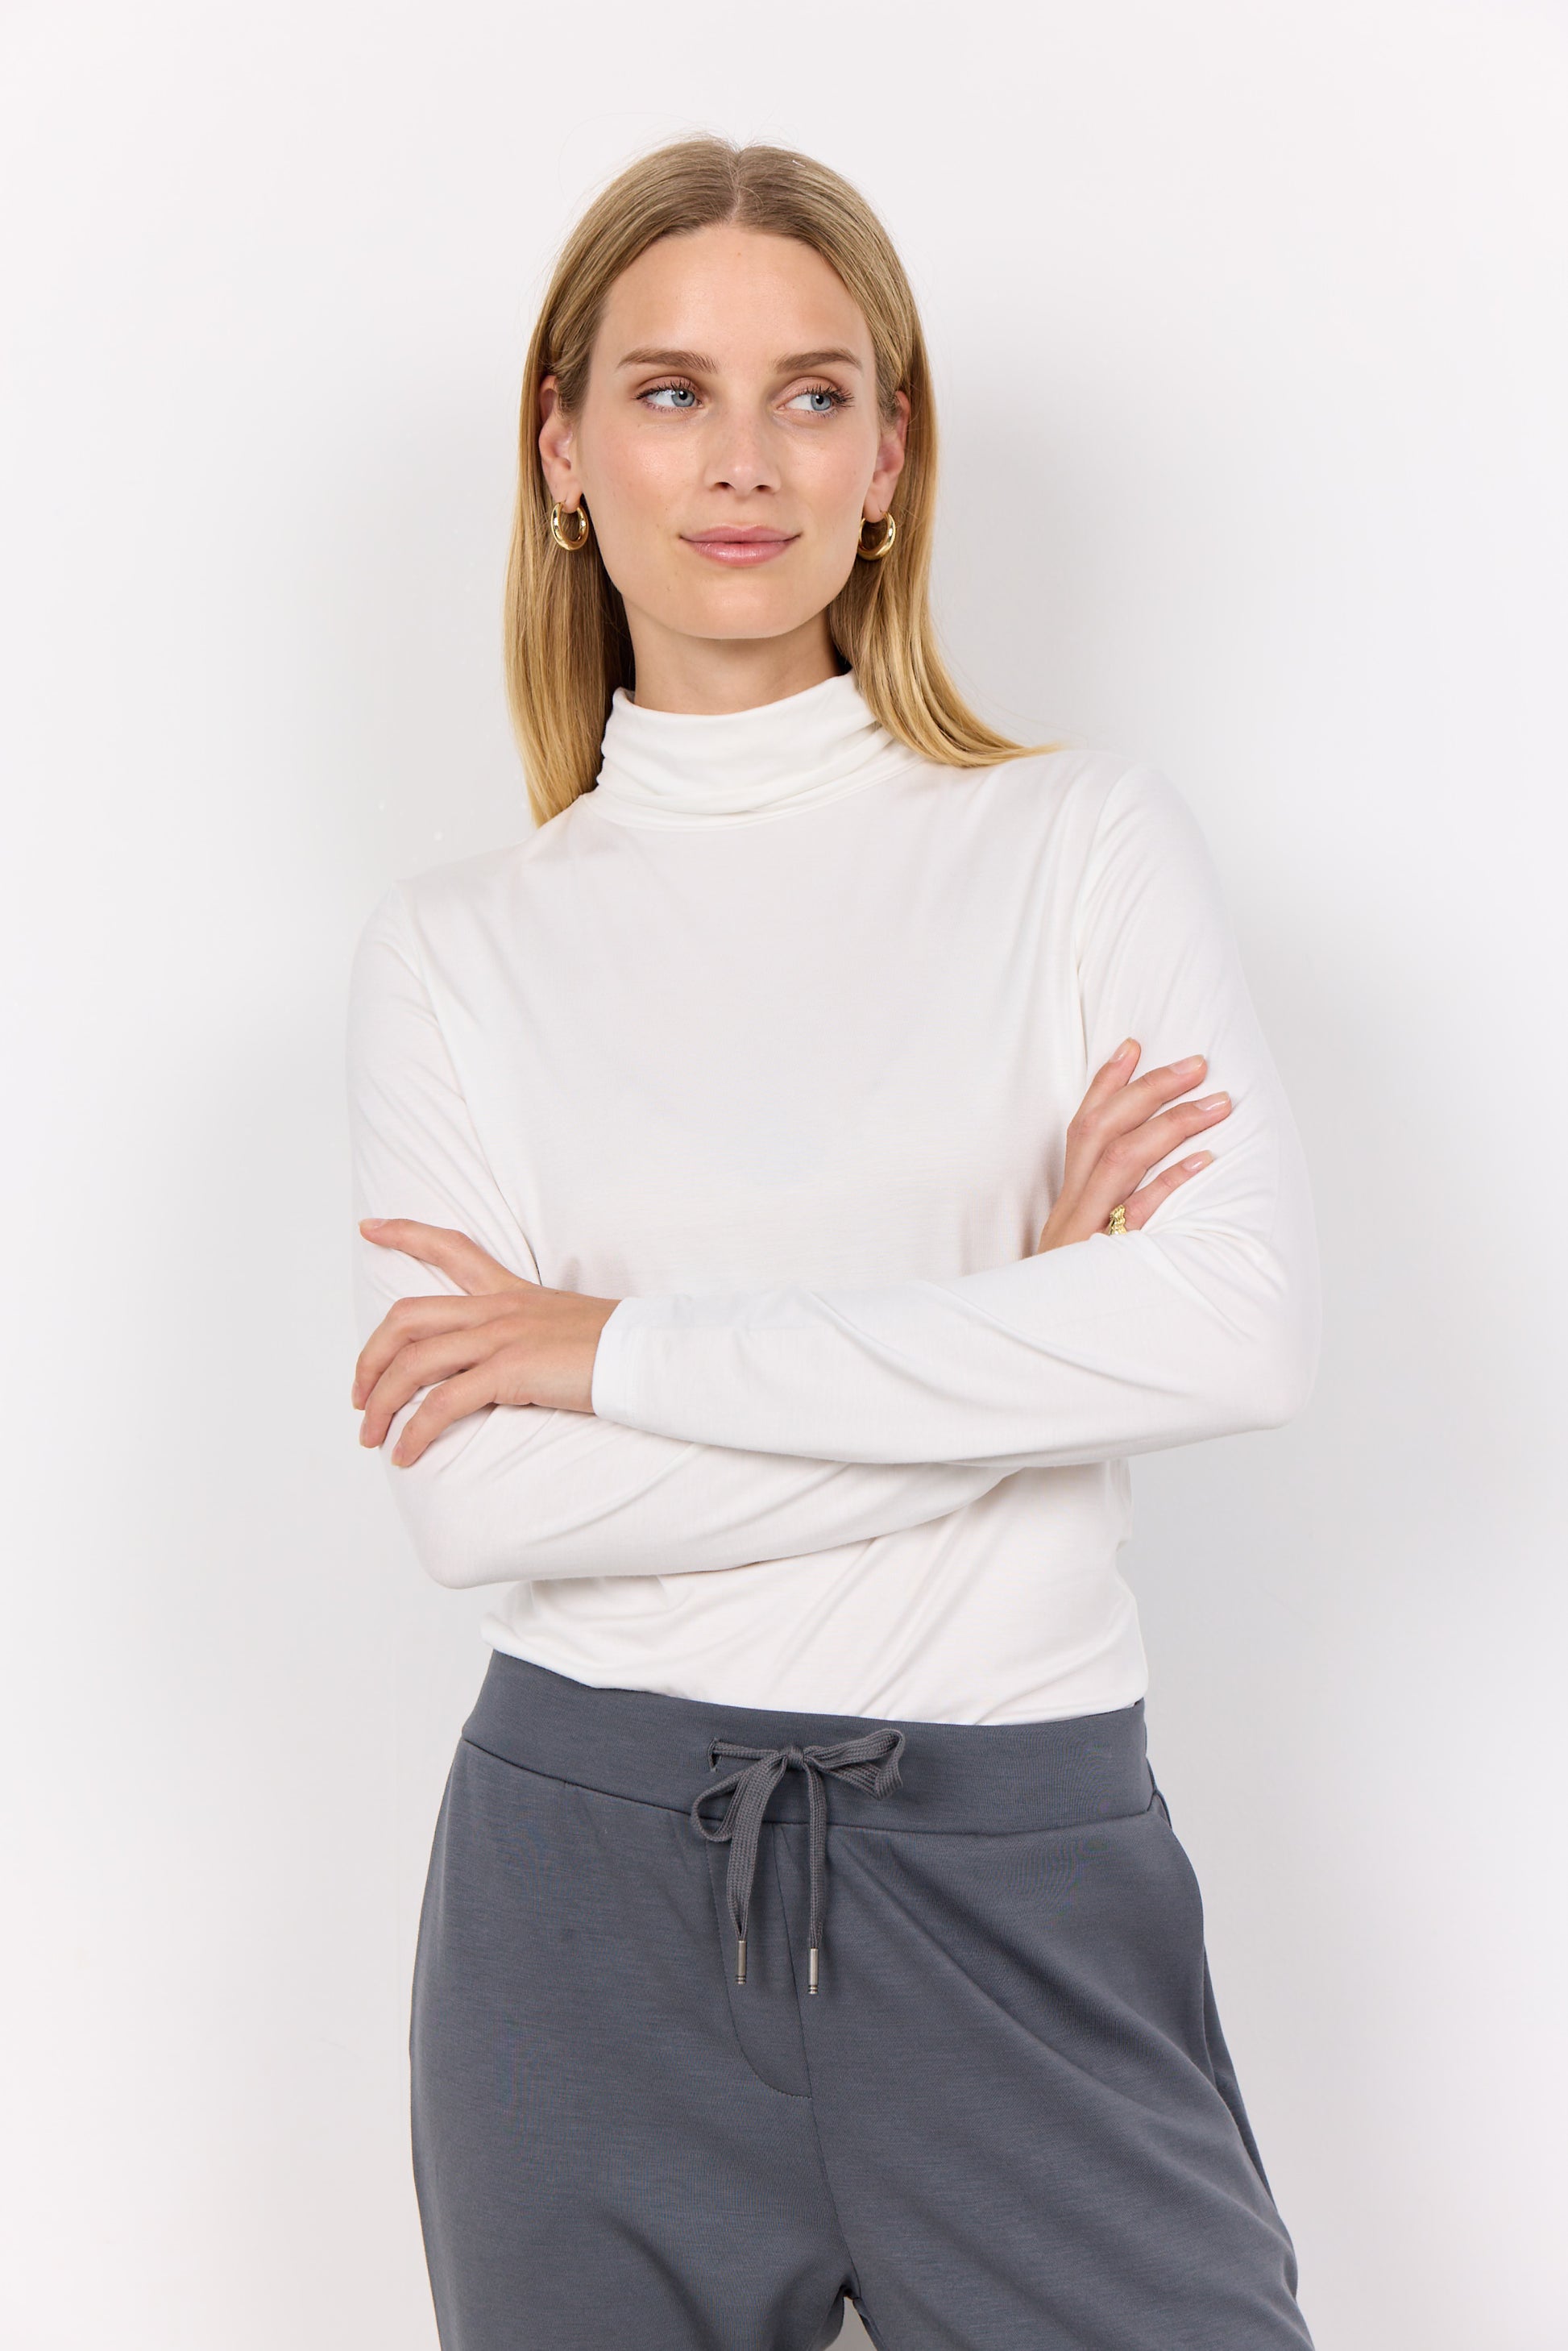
x: 824, y: 394
x: 683, y: 393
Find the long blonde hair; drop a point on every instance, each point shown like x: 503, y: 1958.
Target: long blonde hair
x: 567, y: 644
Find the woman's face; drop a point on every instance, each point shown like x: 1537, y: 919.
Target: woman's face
x: 729, y: 444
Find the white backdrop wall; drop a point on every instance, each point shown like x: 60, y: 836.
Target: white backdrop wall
x: 1250, y: 346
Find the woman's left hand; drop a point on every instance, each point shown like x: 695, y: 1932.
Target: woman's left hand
x: 508, y: 1341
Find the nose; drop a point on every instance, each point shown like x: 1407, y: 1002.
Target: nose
x: 739, y: 459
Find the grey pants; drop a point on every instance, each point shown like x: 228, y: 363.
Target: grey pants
x: 1005, y: 2120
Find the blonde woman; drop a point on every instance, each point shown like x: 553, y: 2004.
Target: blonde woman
x: 795, y: 1178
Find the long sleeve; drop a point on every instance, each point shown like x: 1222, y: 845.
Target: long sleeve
x: 529, y: 1493
x: 1203, y: 1323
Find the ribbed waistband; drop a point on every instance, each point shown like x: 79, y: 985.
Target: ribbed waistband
x: 953, y: 1776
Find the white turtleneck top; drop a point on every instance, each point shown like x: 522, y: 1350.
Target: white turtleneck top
x: 773, y: 1035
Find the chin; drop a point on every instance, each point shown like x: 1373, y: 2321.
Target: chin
x: 739, y: 626
x: 748, y: 608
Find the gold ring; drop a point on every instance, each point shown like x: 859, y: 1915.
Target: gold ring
x: 1118, y: 1223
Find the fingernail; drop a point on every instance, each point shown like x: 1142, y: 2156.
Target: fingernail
x: 366, y: 1222
x: 1210, y: 1102
x: 1193, y: 1061
x: 1199, y: 1159
x: 1123, y: 1049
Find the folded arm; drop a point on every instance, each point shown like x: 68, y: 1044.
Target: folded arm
x: 1203, y: 1323
x: 525, y: 1492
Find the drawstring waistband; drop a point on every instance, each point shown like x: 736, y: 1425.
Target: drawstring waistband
x: 959, y: 1779
x: 870, y: 1762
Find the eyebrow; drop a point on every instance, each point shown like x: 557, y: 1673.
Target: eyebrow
x: 698, y: 363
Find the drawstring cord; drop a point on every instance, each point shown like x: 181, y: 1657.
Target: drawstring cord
x: 871, y: 1761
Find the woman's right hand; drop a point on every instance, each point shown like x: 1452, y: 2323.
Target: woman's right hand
x: 1121, y: 1128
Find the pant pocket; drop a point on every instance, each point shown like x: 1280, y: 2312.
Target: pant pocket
x: 1222, y: 2066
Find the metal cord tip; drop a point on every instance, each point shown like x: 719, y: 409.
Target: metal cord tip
x: 741, y: 1959
x: 811, y: 1981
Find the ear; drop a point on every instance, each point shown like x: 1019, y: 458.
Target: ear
x: 889, y: 461
x: 556, y: 446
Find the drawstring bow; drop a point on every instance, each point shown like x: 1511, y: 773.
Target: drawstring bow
x: 870, y: 1761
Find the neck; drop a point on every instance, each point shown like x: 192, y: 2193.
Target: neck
x: 715, y: 676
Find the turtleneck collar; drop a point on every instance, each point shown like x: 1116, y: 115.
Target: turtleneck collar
x: 678, y: 768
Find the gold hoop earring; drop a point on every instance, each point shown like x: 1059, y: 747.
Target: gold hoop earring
x: 572, y: 546
x: 889, y: 533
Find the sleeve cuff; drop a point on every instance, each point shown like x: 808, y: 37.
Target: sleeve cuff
x: 609, y: 1389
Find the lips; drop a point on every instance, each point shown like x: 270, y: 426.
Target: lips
x: 740, y: 544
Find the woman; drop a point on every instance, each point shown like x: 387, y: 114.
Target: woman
x: 775, y: 1258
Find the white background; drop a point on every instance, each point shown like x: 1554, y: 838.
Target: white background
x: 1251, y: 348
